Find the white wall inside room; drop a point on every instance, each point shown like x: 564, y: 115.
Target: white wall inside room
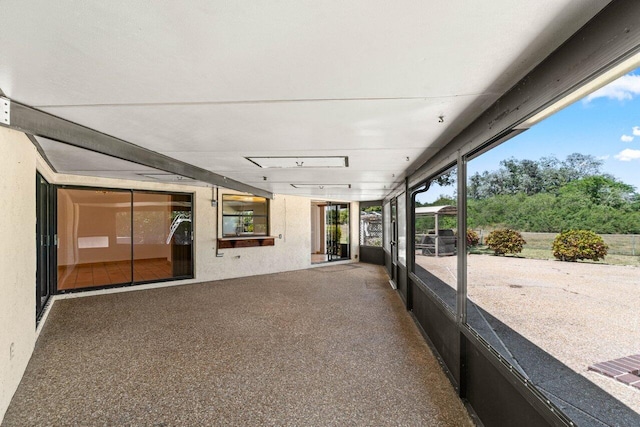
x: 17, y: 260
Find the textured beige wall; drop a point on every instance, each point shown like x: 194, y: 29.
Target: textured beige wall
x: 290, y: 225
x: 17, y: 260
x: 354, y: 218
x: 290, y: 218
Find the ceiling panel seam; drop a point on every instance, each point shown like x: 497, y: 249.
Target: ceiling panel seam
x: 264, y: 101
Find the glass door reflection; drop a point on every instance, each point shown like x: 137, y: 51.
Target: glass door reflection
x: 94, y: 238
x: 162, y: 231
x: 119, y: 237
x: 337, y: 231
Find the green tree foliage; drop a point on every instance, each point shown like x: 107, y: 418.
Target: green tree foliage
x: 530, y: 177
x: 573, y: 245
x: 602, y: 190
x: 550, y: 196
x: 334, y: 231
x: 373, y: 209
x: 447, y: 179
x: 340, y: 217
x: 505, y: 241
x: 344, y: 216
x: 426, y: 223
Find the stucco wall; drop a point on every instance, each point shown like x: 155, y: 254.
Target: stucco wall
x: 17, y: 260
x: 290, y: 218
x: 354, y: 212
x: 290, y: 225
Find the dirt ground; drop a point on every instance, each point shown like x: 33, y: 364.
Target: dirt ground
x: 579, y: 313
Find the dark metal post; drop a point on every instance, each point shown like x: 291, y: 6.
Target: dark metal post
x: 461, y: 294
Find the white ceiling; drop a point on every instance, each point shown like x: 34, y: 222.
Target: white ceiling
x: 213, y: 82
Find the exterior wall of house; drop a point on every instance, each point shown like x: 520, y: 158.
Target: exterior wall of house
x: 289, y: 218
x: 354, y: 223
x: 17, y: 259
x: 290, y: 224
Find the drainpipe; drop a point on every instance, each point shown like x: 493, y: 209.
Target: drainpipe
x: 411, y: 234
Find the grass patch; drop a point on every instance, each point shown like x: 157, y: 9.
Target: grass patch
x: 547, y: 254
x: 624, y: 249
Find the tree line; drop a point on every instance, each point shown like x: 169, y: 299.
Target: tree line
x: 550, y: 195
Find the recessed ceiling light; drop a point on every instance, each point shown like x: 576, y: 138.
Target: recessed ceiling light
x: 301, y: 162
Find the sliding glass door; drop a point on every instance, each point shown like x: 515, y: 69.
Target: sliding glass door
x: 44, y: 243
x: 337, y: 231
x: 161, y: 236
x: 116, y: 237
x: 94, y: 238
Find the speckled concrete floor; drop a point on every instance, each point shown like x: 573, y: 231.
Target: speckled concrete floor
x: 325, y: 346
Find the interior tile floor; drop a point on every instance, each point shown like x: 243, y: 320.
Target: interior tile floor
x: 318, y: 258
x: 321, y: 258
x: 328, y: 346
x: 109, y: 273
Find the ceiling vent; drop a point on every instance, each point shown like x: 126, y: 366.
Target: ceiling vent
x: 166, y: 177
x: 301, y: 162
x: 322, y: 186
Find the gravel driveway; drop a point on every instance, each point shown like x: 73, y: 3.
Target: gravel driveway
x: 577, y: 313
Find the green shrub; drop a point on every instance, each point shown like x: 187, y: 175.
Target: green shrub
x: 331, y: 232
x: 573, y: 245
x: 505, y: 241
x: 472, y: 238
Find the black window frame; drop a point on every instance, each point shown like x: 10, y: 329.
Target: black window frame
x: 242, y: 218
x: 133, y: 282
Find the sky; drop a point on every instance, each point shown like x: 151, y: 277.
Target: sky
x: 605, y: 124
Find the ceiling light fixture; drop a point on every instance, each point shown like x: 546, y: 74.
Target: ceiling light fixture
x: 301, y: 162
x: 322, y: 186
x: 167, y: 177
